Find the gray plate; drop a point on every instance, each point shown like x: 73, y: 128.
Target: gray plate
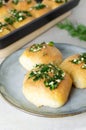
x: 11, y: 78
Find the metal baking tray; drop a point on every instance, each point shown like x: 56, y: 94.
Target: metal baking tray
x: 27, y: 29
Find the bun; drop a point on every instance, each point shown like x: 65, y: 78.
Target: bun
x: 21, y: 9
x: 39, y: 9
x: 76, y: 71
x: 52, y: 4
x: 4, y: 28
x: 23, y: 22
x: 47, y: 54
x: 37, y: 93
x: 4, y: 11
x: 21, y: 5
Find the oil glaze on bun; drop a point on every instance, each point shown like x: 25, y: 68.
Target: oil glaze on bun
x: 40, y: 53
x: 4, y: 28
x: 76, y: 66
x: 53, y: 3
x: 19, y: 18
x: 4, y: 11
x: 39, y: 9
x: 21, y: 23
x: 47, y: 85
x: 21, y: 4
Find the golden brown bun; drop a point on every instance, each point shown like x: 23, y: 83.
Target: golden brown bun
x: 22, y: 5
x: 49, y: 54
x: 39, y: 13
x: 4, y: 32
x: 77, y: 73
x: 23, y: 22
x: 39, y: 95
x: 4, y: 11
x: 1, y: 19
x: 6, y: 29
x: 51, y: 3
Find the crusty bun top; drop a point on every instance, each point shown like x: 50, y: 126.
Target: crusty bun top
x: 40, y: 53
x: 75, y: 65
x: 21, y: 4
x: 47, y: 85
x: 51, y: 74
x: 39, y: 9
x: 53, y: 3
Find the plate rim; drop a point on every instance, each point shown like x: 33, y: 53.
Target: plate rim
x: 37, y: 113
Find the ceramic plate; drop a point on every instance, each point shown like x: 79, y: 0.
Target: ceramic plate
x: 11, y: 78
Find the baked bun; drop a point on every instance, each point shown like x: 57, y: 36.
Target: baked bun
x: 40, y: 53
x: 39, y: 9
x: 4, y: 32
x: 22, y: 22
x: 76, y: 66
x: 4, y: 28
x: 47, y: 85
x: 52, y: 3
x: 19, y: 18
x: 21, y: 4
x: 4, y: 11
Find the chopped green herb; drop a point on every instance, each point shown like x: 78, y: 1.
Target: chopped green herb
x: 51, y: 43
x: 52, y: 75
x: 10, y: 20
x: 2, y: 2
x: 44, y: 53
x: 84, y: 66
x: 78, y: 31
x: 37, y: 47
x: 15, y: 2
x: 2, y: 25
x: 29, y: 1
x: 60, y: 1
x: 27, y: 13
x: 17, y: 16
x: 20, y: 14
x: 76, y: 61
x: 39, y: 6
x: 81, y: 59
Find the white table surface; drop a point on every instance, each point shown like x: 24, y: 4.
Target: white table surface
x: 13, y: 119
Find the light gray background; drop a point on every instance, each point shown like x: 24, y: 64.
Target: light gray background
x: 13, y: 119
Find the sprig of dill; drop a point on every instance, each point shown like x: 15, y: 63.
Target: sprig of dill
x: 78, y: 30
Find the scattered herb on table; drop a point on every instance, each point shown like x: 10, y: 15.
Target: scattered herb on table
x: 78, y: 31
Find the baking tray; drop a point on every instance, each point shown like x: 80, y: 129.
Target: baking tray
x: 26, y: 39
x: 36, y: 24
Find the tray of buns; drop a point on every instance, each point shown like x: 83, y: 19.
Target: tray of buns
x: 19, y: 18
